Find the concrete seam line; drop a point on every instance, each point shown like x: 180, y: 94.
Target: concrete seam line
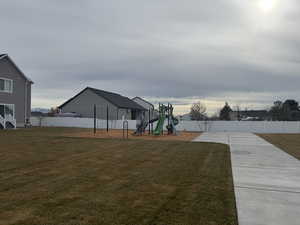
x: 265, y: 189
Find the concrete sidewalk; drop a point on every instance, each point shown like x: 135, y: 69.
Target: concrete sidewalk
x: 266, y: 179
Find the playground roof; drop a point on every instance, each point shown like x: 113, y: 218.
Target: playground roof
x: 144, y: 101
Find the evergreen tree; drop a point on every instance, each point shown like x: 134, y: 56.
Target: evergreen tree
x: 225, y: 112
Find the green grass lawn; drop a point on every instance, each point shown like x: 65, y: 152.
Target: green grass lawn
x: 290, y: 143
x: 48, y: 179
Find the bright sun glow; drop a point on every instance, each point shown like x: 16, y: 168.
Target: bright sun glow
x: 267, y: 5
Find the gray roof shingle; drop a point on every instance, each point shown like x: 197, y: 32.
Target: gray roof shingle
x: 116, y: 99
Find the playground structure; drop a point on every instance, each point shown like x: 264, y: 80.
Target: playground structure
x: 165, y: 113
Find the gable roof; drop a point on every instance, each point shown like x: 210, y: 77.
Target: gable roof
x: 116, y: 99
x: 2, y: 56
x: 144, y: 101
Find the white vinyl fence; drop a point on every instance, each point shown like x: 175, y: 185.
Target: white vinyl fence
x: 241, y: 126
x: 79, y: 122
x: 198, y: 126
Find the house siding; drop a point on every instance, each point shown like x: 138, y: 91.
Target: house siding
x: 28, y: 99
x: 84, y: 103
x: 9, y: 71
x: 124, y: 112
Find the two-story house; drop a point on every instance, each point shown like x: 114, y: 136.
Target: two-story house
x: 15, y: 95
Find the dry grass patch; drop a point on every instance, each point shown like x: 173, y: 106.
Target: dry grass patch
x: 49, y: 179
x: 290, y: 143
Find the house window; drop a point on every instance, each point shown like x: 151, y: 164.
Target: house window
x: 7, y: 111
x: 6, y: 85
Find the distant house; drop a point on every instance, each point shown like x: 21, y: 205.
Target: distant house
x: 186, y: 117
x: 37, y: 114
x: 148, y: 106
x: 15, y: 94
x: 117, y: 106
x: 249, y: 115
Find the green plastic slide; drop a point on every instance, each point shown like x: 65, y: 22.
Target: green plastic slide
x: 160, y: 125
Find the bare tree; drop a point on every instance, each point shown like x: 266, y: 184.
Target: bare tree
x: 285, y: 111
x: 237, y: 110
x: 53, y: 111
x: 198, y: 111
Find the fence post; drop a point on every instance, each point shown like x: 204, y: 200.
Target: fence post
x: 149, y: 122
x: 125, y: 126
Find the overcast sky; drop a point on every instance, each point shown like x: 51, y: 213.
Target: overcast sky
x: 244, y: 52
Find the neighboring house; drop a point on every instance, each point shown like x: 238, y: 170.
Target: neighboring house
x: 258, y: 115
x: 148, y: 106
x: 37, y: 114
x: 117, y: 106
x: 15, y: 94
x: 186, y: 117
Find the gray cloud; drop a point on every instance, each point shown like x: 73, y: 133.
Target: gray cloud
x: 158, y: 49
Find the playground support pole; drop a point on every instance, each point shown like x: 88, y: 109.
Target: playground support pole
x: 162, y: 112
x: 159, y: 110
x: 107, y: 118
x: 149, y: 121
x: 168, y: 117
x: 95, y: 114
x: 125, y: 126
